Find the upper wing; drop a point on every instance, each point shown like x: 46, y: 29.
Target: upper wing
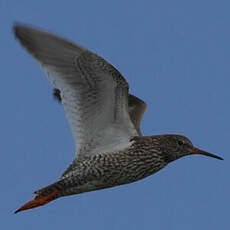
x: 93, y: 92
x: 136, y: 108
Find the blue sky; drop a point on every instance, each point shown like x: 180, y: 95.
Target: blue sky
x: 175, y: 56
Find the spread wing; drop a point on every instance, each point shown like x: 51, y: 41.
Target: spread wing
x: 136, y: 108
x: 94, y: 94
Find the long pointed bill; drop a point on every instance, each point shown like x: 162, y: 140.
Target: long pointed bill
x: 199, y: 151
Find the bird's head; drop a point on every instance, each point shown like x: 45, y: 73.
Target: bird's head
x: 176, y: 146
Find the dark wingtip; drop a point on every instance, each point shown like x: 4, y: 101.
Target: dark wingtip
x: 17, y: 26
x: 15, y: 29
x: 20, y: 31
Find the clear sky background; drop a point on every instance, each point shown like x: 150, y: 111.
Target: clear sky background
x: 175, y: 56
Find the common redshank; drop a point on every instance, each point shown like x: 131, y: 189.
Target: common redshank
x: 104, y: 119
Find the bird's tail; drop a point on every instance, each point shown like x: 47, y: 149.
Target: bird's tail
x: 44, y: 196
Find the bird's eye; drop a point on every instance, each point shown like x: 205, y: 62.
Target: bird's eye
x: 180, y: 142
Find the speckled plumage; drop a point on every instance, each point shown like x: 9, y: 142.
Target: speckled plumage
x: 104, y: 119
x: 104, y: 170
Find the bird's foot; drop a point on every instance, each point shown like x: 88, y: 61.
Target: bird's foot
x: 38, y: 201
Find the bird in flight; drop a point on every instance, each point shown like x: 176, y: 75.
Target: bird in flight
x: 104, y: 119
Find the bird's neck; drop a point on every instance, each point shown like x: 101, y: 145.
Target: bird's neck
x: 147, y: 156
